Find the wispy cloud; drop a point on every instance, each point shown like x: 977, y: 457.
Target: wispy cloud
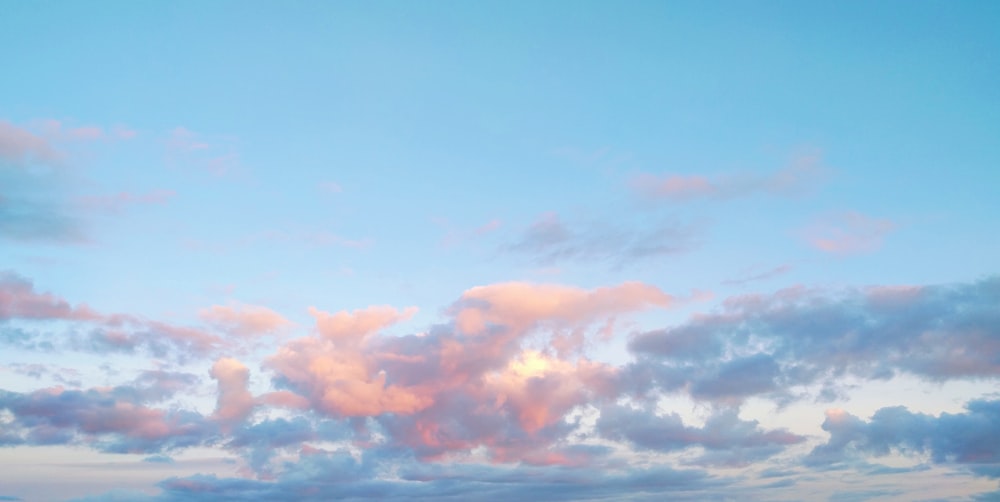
x: 217, y: 155
x: 804, y: 173
x: 21, y: 146
x: 549, y: 240
x: 848, y: 233
x: 755, y: 276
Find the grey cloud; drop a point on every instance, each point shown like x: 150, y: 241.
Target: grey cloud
x: 727, y: 440
x: 549, y: 240
x: 971, y: 438
x: 802, y: 336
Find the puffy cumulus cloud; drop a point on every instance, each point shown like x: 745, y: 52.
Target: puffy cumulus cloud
x: 539, y: 390
x: 971, y: 438
x: 765, y: 344
x: 342, y: 380
x: 234, y: 401
x: 468, y: 384
x: 245, y: 320
x: 110, y: 419
x: 801, y: 175
x: 727, y: 440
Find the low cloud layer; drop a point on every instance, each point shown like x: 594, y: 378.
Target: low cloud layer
x: 502, y: 390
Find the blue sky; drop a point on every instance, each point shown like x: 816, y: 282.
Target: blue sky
x: 594, y: 250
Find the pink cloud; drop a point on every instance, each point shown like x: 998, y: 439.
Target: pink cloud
x: 284, y: 399
x: 20, y: 145
x: 19, y: 300
x: 358, y: 324
x: 848, y: 233
x: 342, y: 379
x: 802, y: 174
x: 519, y: 304
x: 540, y: 390
x: 56, y: 415
x: 234, y: 402
x: 514, y: 399
x: 245, y: 320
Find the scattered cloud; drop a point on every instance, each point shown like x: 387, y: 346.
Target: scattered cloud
x: 800, y: 336
x: 848, y: 233
x: 488, y: 398
x: 21, y: 147
x: 34, y: 177
x: 803, y: 174
x: 549, y: 240
x: 971, y: 438
x: 245, y: 320
x: 727, y: 440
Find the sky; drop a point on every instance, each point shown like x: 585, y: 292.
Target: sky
x: 561, y: 250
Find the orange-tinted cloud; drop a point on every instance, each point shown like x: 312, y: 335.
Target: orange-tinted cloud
x: 518, y: 305
x: 234, y: 402
x: 245, y: 320
x: 358, y: 324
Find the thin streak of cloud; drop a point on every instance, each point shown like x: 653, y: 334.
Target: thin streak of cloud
x: 802, y: 175
x: 549, y: 240
x: 848, y: 233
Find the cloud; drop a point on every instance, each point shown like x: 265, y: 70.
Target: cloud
x: 359, y: 323
x: 33, y: 207
x: 727, y: 440
x: 804, y: 173
x: 245, y: 320
x: 519, y: 305
x: 234, y: 402
x: 22, y: 147
x: 848, y: 233
x: 801, y: 336
x: 758, y: 276
x: 549, y: 240
x: 486, y: 405
x: 103, y: 332
x: 19, y: 300
x: 336, y: 373
x: 111, y: 420
x: 971, y: 438
x: 472, y: 383
x: 337, y: 475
